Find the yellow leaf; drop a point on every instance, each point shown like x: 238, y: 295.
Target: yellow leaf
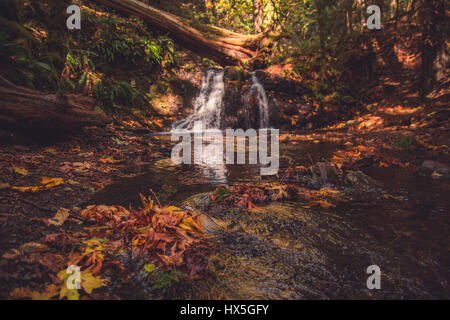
x: 29, y: 189
x: 89, y: 282
x: 50, y: 150
x: 173, y: 209
x: 21, y: 171
x: 149, y: 267
x: 46, y: 182
x: 51, y: 182
x: 192, y: 224
x: 147, y: 203
x: 70, y: 294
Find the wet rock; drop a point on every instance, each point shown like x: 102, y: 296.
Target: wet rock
x: 435, y: 169
x: 359, y: 178
x: 327, y: 172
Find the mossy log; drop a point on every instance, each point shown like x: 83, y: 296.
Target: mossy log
x: 26, y: 109
x: 223, y: 46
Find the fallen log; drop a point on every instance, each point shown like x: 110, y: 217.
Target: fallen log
x: 26, y: 109
x: 228, y: 49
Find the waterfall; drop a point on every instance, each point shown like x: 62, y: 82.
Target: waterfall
x: 263, y: 103
x: 209, y: 109
x: 208, y: 105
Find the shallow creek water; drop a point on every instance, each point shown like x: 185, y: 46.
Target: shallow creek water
x: 288, y: 251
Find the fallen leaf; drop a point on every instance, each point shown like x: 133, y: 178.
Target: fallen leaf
x: 110, y: 160
x: 51, y: 182
x: 89, y: 282
x: 20, y: 170
x: 70, y: 294
x: 60, y: 217
x: 324, y: 204
x: 194, y: 224
x: 50, y: 150
x: 46, y: 182
x: 149, y: 267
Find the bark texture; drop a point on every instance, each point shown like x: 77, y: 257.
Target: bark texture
x: 26, y: 109
x: 222, y: 46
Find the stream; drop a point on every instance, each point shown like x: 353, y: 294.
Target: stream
x: 289, y: 250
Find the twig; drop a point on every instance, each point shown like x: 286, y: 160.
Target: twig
x: 37, y: 206
x: 151, y: 190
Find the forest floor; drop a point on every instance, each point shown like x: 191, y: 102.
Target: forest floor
x: 40, y: 180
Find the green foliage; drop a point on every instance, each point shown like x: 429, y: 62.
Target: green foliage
x: 165, y: 279
x: 113, y: 48
x: 118, y: 40
x: 28, y: 70
x: 404, y: 141
x: 222, y: 193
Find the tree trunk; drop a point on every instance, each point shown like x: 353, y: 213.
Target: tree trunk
x: 321, y: 21
x: 229, y: 50
x: 393, y: 6
x: 26, y: 109
x: 258, y: 15
x: 432, y: 22
x: 349, y: 9
x: 58, y: 35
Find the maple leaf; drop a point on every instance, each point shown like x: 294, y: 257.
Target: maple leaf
x: 70, y: 294
x: 89, y: 282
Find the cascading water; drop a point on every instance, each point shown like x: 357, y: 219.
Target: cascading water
x: 208, y: 106
x: 263, y: 103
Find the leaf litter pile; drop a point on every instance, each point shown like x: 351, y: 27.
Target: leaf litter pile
x: 169, y: 240
x: 249, y: 196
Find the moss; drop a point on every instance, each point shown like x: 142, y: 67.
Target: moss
x: 235, y: 73
x: 404, y: 142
